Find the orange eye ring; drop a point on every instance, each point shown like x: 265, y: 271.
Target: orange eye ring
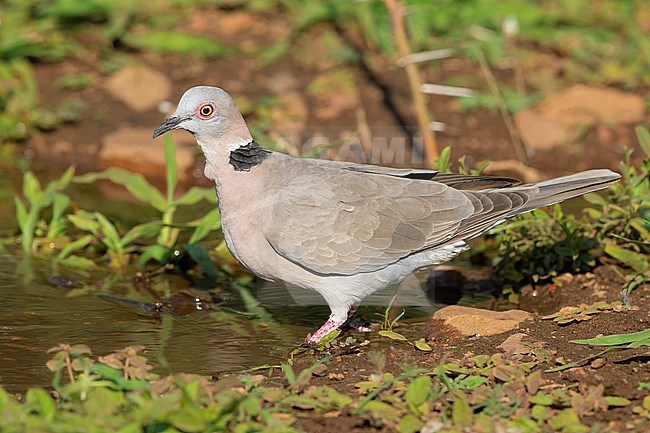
x: 206, y: 111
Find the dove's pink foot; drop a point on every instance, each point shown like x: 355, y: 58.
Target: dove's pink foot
x: 359, y: 324
x: 329, y: 326
x: 334, y: 323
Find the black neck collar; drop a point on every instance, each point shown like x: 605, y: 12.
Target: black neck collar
x: 246, y: 157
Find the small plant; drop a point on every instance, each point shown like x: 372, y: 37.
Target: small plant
x: 118, y: 247
x: 29, y: 215
x: 584, y: 312
x: 539, y: 245
x: 166, y: 204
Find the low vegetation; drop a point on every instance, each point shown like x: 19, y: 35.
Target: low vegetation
x: 614, y: 228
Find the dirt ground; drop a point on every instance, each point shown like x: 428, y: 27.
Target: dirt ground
x: 375, y: 95
x: 619, y: 372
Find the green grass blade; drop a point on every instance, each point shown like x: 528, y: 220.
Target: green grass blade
x: 145, y: 230
x: 171, y: 167
x: 195, y: 195
x: 135, y: 183
x: 209, y: 222
x: 62, y: 182
x: 31, y: 188
x: 616, y: 339
x: 111, y: 236
x: 73, y: 246
x: 58, y: 222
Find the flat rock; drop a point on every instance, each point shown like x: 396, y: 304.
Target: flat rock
x: 133, y: 149
x: 474, y: 321
x: 141, y: 88
x: 560, y: 118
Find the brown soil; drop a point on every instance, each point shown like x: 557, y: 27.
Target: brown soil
x: 380, y: 89
x: 619, y: 372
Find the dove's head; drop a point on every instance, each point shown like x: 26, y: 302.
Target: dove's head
x: 210, y: 114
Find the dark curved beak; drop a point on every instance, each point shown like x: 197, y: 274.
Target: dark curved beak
x: 170, y: 123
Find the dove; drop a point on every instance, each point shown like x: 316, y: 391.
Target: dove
x: 344, y: 229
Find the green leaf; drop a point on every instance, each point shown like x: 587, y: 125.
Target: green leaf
x: 643, y: 136
x: 195, y: 195
x: 637, y: 261
x: 471, y: 382
x: 77, y: 262
x: 31, y: 188
x: 85, y: 221
x: 568, y: 420
x: 145, y: 230
x: 157, y: 252
x: 200, y: 256
x: 62, y: 182
x: 171, y: 168
x: 595, y: 199
x: 75, y: 245
x: 40, y: 401
x: 442, y: 164
x: 616, y: 339
x: 289, y: 374
x: 409, y: 424
x: 392, y: 335
x: 167, y: 41
x: 188, y: 419
x: 208, y: 222
x: 57, y: 223
x: 108, y: 372
x: 541, y: 399
x: 614, y: 401
x: 111, y: 237
x: 418, y: 391
x: 135, y: 183
x: 383, y: 410
x: 422, y: 345
x: 540, y: 413
x: 21, y: 214
x: 461, y: 413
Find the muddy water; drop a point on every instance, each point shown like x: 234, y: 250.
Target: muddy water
x: 37, y: 315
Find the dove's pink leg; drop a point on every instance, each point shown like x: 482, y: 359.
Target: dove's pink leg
x: 331, y: 324
x: 336, y: 322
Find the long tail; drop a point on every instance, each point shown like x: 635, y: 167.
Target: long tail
x: 496, y: 205
x: 562, y: 188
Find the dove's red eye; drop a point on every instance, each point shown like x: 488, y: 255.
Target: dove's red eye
x: 206, y: 111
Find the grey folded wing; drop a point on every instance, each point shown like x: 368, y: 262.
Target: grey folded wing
x: 350, y: 222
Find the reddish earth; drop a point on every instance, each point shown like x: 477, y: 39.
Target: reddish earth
x: 313, y: 93
x: 619, y: 372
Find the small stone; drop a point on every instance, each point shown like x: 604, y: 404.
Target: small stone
x: 258, y: 379
x: 597, y: 363
x: 336, y: 376
x: 563, y: 115
x: 319, y: 371
x: 472, y: 321
x: 513, y: 345
x: 131, y: 149
x: 141, y: 88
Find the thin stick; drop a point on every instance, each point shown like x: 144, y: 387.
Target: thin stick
x: 396, y: 11
x: 520, y: 149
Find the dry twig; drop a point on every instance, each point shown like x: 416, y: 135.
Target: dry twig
x: 396, y: 11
